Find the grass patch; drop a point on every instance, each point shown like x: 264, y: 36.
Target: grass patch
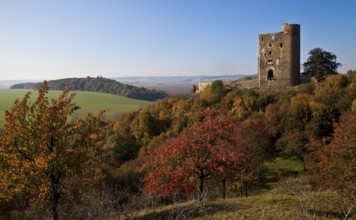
x: 287, y: 166
x: 88, y: 101
x: 273, y: 204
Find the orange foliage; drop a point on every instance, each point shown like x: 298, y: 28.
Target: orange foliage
x: 40, y: 150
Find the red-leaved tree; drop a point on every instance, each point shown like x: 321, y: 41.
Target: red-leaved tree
x: 182, y: 164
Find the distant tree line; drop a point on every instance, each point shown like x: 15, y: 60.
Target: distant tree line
x: 98, y: 84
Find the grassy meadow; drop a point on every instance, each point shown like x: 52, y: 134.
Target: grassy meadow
x: 274, y: 204
x: 88, y: 102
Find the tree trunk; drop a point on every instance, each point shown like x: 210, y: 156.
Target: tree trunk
x: 224, y: 187
x: 56, y: 194
x: 246, y: 189
x: 201, y: 186
x: 301, y: 158
x: 304, y: 165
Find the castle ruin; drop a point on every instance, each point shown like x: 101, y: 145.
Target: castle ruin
x: 279, y: 57
x: 278, y: 61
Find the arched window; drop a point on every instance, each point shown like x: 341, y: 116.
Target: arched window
x: 270, y: 75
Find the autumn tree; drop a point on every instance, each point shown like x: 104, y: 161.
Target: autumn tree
x: 256, y: 137
x: 334, y: 163
x: 242, y: 103
x: 322, y: 120
x: 297, y: 132
x: 126, y: 146
x: 213, y: 93
x: 321, y: 64
x: 42, y: 149
x: 233, y: 167
x: 200, y: 151
x: 334, y: 92
x: 145, y: 126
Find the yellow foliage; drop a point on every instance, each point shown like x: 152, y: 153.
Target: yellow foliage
x: 40, y: 150
x: 353, y: 107
x: 239, y: 108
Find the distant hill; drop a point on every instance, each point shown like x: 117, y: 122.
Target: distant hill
x: 98, y: 84
x: 6, y: 84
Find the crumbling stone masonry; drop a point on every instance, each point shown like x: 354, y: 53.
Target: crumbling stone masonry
x: 279, y: 57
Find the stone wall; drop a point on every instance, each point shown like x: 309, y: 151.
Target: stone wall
x: 279, y: 57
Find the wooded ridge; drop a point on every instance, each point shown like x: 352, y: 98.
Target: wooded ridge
x: 98, y: 84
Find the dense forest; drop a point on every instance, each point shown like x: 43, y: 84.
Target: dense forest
x: 214, y: 144
x: 98, y: 84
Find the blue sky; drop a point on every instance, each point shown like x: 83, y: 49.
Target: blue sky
x: 51, y: 39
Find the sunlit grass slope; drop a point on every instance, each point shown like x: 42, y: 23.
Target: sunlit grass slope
x: 271, y: 205
x: 88, y: 102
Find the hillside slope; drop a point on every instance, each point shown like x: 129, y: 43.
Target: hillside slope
x: 98, y: 84
x: 88, y: 102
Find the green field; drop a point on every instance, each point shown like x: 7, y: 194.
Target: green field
x: 88, y: 102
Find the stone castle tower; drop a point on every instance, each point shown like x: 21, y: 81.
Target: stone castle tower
x: 279, y: 57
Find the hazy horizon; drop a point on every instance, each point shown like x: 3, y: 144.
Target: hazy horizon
x: 62, y: 39
x: 114, y: 77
